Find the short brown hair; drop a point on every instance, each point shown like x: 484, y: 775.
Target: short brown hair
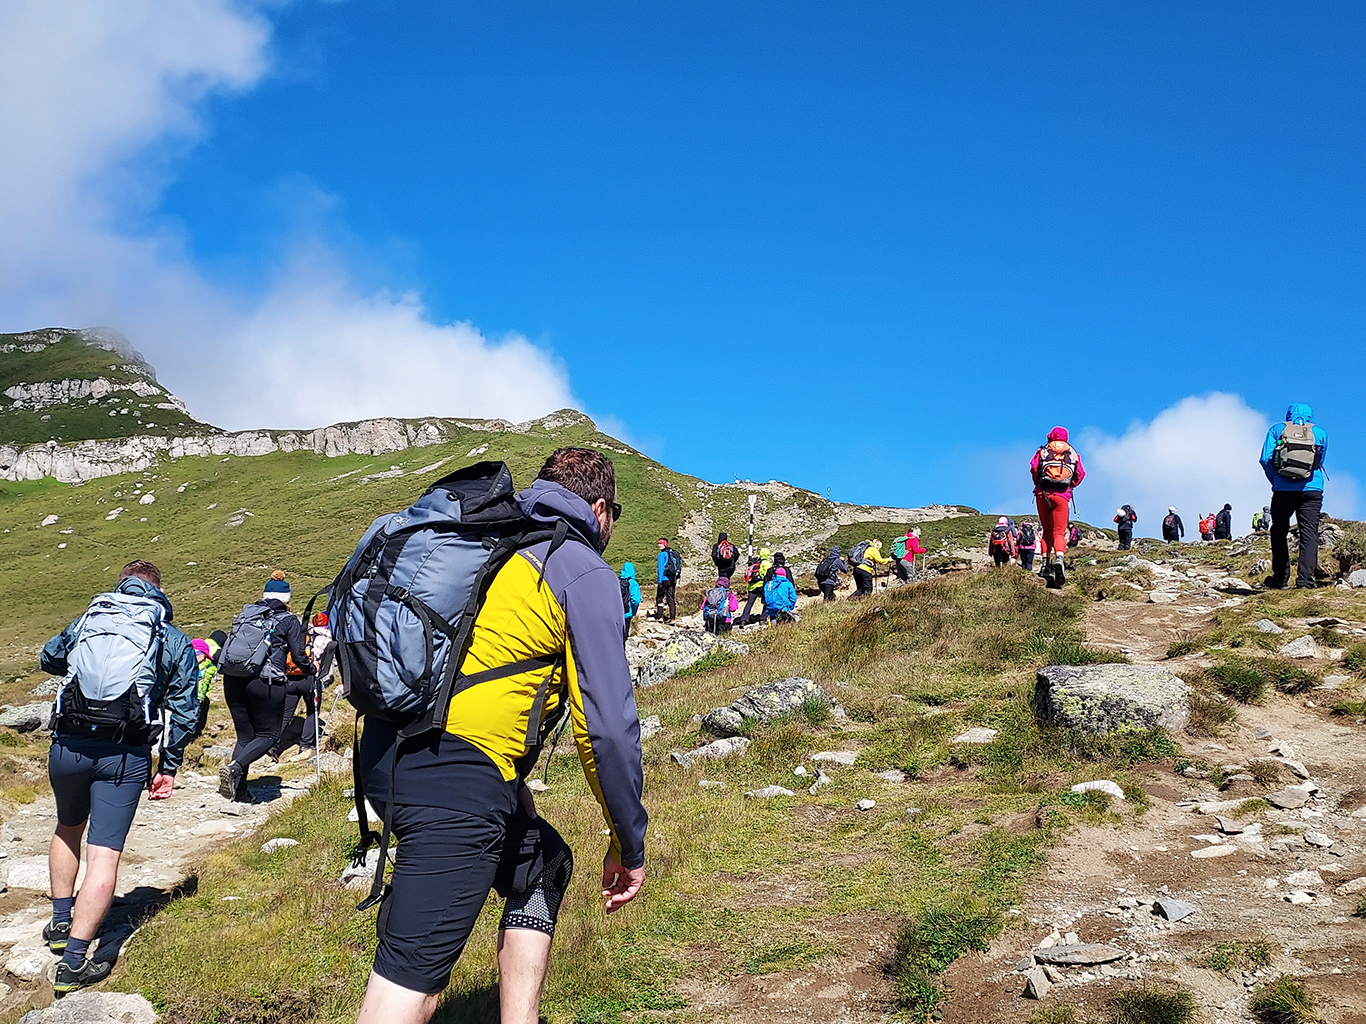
x: 587, y: 473
x: 145, y: 571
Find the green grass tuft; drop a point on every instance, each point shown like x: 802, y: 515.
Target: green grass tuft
x: 1150, y: 1006
x: 1283, y: 1001
x: 717, y: 657
x: 927, y: 945
x: 1180, y: 648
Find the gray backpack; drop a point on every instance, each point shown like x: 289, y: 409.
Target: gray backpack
x: 1297, y: 453
x: 857, y: 552
x: 111, y: 683
x: 247, y: 648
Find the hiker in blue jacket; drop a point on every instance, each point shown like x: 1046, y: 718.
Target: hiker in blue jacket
x: 665, y: 583
x: 780, y: 596
x: 630, y: 594
x: 1292, y: 459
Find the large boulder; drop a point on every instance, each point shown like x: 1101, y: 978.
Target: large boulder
x: 764, y: 704
x: 27, y: 717
x: 1105, y: 699
x: 682, y: 650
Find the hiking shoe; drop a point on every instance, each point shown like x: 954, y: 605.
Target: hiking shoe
x: 229, y: 778
x: 69, y: 979
x: 1059, y: 574
x: 1271, y: 583
x: 55, y: 935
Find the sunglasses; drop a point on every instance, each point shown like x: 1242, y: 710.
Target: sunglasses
x: 616, y: 510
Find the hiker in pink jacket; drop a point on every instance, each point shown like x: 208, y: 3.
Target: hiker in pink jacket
x: 1056, y: 468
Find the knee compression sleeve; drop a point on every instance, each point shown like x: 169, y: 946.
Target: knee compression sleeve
x: 538, y: 907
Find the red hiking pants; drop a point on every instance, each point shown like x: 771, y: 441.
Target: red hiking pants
x: 1053, y: 520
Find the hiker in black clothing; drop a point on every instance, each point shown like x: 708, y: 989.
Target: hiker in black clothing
x: 1172, y: 528
x: 1223, y: 523
x: 1125, y: 517
x: 667, y: 567
x: 725, y: 556
x: 754, y: 585
x: 1293, y: 455
x: 828, y: 573
x: 257, y: 702
x: 780, y: 562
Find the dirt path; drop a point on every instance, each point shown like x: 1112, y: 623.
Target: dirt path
x: 1100, y: 883
x: 167, y: 839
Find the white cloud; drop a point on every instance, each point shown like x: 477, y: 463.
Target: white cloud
x: 96, y: 100
x: 1198, y: 454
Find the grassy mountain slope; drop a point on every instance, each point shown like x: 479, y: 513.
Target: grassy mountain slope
x: 55, y: 355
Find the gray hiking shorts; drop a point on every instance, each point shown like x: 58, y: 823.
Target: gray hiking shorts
x: 99, y: 781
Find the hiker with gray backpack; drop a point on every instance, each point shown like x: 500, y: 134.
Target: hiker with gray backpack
x: 1292, y: 459
x: 123, y: 664
x: 253, y: 664
x: 470, y: 626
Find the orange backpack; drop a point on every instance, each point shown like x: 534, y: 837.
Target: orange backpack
x: 1057, y: 466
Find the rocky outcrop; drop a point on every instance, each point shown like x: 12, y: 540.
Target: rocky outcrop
x: 682, y: 650
x: 90, y: 1007
x: 764, y: 704
x: 90, y: 460
x: 1105, y: 699
x: 27, y: 717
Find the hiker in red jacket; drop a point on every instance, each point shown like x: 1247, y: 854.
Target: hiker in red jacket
x: 1056, y: 468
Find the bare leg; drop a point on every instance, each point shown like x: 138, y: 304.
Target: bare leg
x: 523, y: 955
x: 387, y: 1003
x: 64, y: 859
x: 97, y: 891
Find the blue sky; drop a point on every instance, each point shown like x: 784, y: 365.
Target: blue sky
x: 873, y: 249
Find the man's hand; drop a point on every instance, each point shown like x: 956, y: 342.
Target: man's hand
x: 162, y: 785
x: 527, y: 801
x: 619, y: 884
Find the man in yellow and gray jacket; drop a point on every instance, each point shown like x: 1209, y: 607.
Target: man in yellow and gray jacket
x: 464, y: 823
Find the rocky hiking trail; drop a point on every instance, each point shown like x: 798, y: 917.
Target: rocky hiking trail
x: 168, y: 839
x: 1194, y: 891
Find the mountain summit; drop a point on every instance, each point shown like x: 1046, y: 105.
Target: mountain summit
x: 67, y: 385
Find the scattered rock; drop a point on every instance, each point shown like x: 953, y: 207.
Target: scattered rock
x: 216, y: 828
x: 822, y: 780
x: 1299, y: 899
x: 1103, y: 699
x: 1172, y: 909
x: 27, y: 963
x: 537, y: 786
x: 1318, y: 839
x: 1335, y: 682
x: 1036, y: 983
x: 360, y: 876
x: 765, y: 703
x: 218, y: 752
x: 27, y: 717
x: 329, y: 762
x: 1296, y: 768
x: 147, y: 499
x: 1082, y: 954
x: 1304, y: 878
x: 866, y: 805
x: 976, y: 735
x: 27, y: 873
x: 50, y: 521
x: 1100, y: 786
x: 276, y: 845
x: 1267, y: 626
x: 844, y: 757
x: 1357, y: 578
x: 1289, y: 798
x: 893, y: 775
x: 1210, y: 852
x: 49, y: 687
x: 650, y: 727
x: 1229, y: 826
x: 768, y: 793
x: 710, y: 784
x: 1304, y: 647
x: 1232, y: 585
x: 717, y: 750
x: 1353, y: 887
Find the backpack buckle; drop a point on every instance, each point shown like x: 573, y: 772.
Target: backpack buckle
x: 397, y: 593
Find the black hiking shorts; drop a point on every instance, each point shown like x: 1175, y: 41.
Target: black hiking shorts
x: 461, y: 835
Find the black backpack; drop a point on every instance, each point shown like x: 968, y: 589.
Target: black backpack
x: 1133, y: 516
x: 825, y: 572
x: 673, y: 569
x: 247, y: 648
x: 1026, y: 536
x: 1169, y: 524
x: 625, y: 594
